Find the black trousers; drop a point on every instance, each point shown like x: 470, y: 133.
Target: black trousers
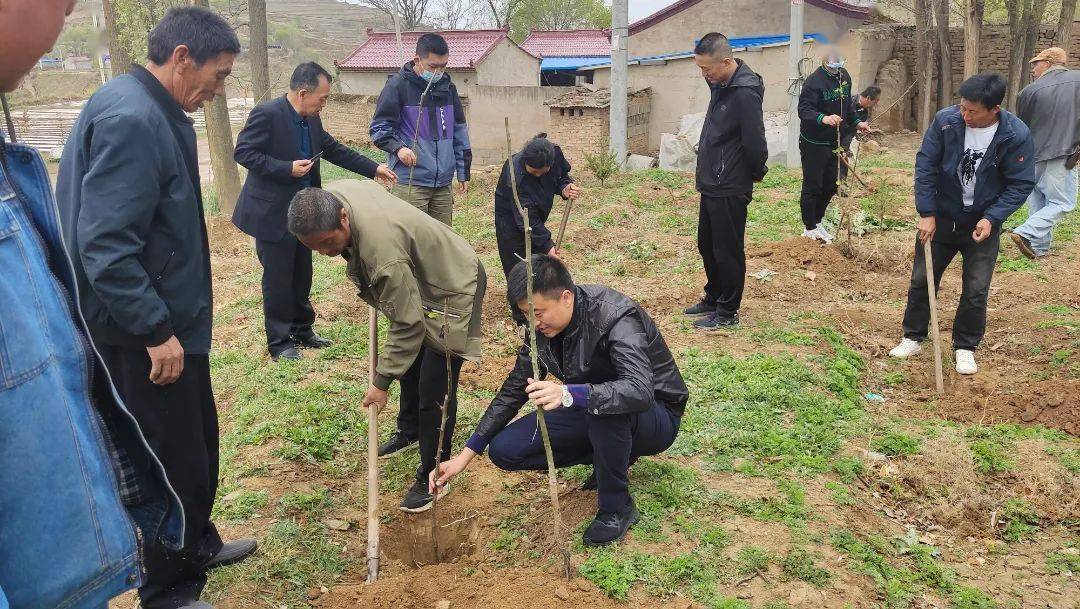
x: 979, y: 259
x: 180, y: 423
x: 611, y: 443
x: 511, y: 244
x: 721, y: 233
x: 819, y: 166
x: 423, y: 388
x: 286, y: 289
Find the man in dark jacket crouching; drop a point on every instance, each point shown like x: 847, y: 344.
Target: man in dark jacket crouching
x: 621, y: 396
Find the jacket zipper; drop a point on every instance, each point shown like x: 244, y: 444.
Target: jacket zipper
x: 89, y: 346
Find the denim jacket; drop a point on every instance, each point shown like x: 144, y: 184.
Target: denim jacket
x: 79, y: 487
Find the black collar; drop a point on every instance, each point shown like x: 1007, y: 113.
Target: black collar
x: 157, y: 91
x: 293, y: 114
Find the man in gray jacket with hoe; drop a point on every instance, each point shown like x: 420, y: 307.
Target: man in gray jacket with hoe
x: 1050, y: 109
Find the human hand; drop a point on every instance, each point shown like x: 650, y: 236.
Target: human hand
x: 445, y: 472
x: 166, y: 362
x: 375, y: 397
x: 463, y: 187
x: 385, y: 175
x: 982, y: 230
x: 301, y: 168
x: 545, y: 394
x: 863, y: 127
x: 926, y: 226
x: 571, y: 191
x: 406, y: 156
x: 832, y: 120
x: 554, y: 252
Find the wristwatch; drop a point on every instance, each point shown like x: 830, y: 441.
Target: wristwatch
x: 567, y: 398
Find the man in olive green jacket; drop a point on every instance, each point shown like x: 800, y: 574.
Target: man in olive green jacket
x: 416, y: 271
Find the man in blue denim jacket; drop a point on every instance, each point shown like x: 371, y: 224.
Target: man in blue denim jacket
x: 79, y: 486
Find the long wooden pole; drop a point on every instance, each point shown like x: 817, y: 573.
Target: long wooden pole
x: 373, y: 454
x: 7, y: 118
x: 442, y: 425
x: 562, y: 225
x: 553, y: 481
x: 931, y: 288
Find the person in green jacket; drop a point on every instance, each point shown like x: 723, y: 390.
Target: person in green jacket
x: 415, y: 270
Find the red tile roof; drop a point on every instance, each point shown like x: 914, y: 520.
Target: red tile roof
x: 380, y: 50
x: 568, y: 43
x: 849, y: 8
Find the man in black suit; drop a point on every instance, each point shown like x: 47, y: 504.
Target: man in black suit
x: 281, y: 146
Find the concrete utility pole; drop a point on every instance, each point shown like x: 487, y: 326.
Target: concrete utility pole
x: 620, y: 17
x: 795, y: 54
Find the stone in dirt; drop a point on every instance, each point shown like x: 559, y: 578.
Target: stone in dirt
x: 562, y: 594
x: 443, y: 604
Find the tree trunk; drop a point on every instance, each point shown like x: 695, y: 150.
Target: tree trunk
x: 260, y: 69
x: 220, y: 139
x: 118, y: 56
x: 924, y: 66
x: 1017, y: 10
x: 1063, y: 35
x: 945, y: 85
x: 973, y: 34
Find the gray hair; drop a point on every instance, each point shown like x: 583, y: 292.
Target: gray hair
x: 306, y: 76
x: 313, y: 210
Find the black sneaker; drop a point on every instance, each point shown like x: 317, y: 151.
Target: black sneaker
x: 590, y: 482
x: 610, y: 527
x: 311, y: 341
x: 231, y: 553
x: 288, y: 353
x: 418, y: 499
x: 1024, y: 245
x: 702, y: 308
x: 718, y: 320
x: 397, y: 442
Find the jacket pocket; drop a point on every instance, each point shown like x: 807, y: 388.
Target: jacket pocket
x: 24, y: 345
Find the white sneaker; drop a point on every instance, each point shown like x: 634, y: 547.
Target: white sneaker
x: 817, y: 235
x: 906, y: 348
x: 824, y: 233
x: 965, y: 362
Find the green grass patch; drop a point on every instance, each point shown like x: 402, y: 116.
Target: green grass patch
x: 896, y: 444
x: 240, y: 505
x: 1021, y: 520
x: 1065, y: 561
x: 800, y: 564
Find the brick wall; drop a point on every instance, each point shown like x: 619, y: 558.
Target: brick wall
x: 579, y: 131
x: 348, y: 117
x: 993, y: 52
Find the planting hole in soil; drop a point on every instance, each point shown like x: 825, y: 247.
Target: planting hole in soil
x: 408, y: 540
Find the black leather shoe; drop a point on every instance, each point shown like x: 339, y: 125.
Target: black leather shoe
x: 232, y: 552
x: 702, y: 308
x: 397, y: 442
x: 717, y: 320
x: 288, y: 353
x: 312, y: 341
x: 1024, y: 245
x: 610, y: 527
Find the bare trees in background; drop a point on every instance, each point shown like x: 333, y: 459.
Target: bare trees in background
x: 411, y: 12
x: 1025, y: 17
x: 260, y: 64
x: 118, y: 55
x: 973, y: 20
x: 924, y: 63
x: 1064, y: 25
x: 944, y: 52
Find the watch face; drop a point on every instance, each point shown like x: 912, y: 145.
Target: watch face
x: 567, y: 398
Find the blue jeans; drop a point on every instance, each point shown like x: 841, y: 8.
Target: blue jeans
x: 611, y: 443
x: 1053, y: 197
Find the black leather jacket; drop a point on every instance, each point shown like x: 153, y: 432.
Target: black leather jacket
x: 613, y: 346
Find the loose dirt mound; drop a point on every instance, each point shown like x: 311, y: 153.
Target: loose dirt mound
x: 502, y: 589
x: 802, y: 253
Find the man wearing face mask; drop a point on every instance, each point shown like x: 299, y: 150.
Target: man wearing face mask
x: 825, y: 106
x: 131, y: 208
x: 420, y: 123
x: 280, y: 146
x: 731, y: 156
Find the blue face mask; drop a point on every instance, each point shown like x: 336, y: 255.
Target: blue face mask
x: 430, y: 76
x: 835, y: 65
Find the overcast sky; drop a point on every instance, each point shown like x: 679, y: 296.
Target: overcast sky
x: 642, y: 8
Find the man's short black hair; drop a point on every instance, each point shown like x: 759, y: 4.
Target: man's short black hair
x: 713, y: 43
x: 431, y: 44
x: 872, y: 92
x: 986, y: 88
x: 539, y: 152
x: 314, y: 210
x: 205, y: 33
x: 306, y: 76
x: 550, y: 278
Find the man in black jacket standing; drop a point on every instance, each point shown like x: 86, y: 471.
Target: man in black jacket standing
x: 623, y: 396
x: 131, y: 209
x: 825, y: 105
x: 731, y: 157
x: 280, y: 146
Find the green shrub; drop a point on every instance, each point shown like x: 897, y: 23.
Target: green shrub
x: 603, y: 165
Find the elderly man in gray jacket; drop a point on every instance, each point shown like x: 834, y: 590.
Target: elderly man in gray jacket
x: 1050, y: 109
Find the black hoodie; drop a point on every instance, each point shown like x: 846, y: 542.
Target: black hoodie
x: 824, y: 94
x: 732, y: 151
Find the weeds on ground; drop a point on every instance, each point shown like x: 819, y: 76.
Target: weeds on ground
x: 895, y: 444
x: 1021, y: 520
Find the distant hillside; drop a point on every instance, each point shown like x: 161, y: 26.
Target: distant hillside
x: 333, y: 28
